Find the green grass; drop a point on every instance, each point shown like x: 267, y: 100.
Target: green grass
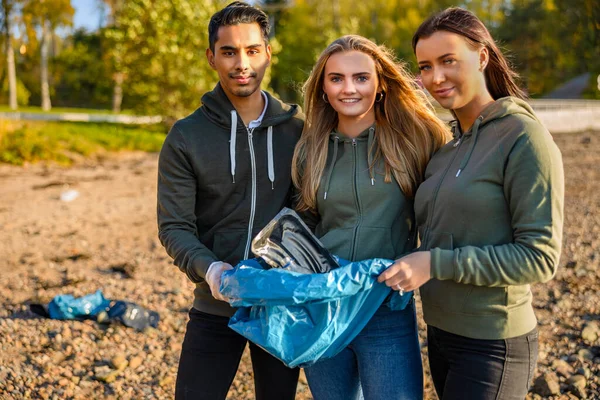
x: 63, y: 142
x: 59, y: 110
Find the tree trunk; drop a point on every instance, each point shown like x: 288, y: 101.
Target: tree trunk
x: 7, y: 8
x: 118, y: 77
x: 12, y: 75
x: 46, y: 36
x: 117, y: 92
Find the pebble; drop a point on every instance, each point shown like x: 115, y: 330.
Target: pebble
x: 547, y: 385
x: 135, y: 362
x: 66, y: 332
x: 585, y: 354
x: 590, y: 332
x: 166, y: 381
x: 119, y: 362
x: 562, y: 368
x: 577, y: 381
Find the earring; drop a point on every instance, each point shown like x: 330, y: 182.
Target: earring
x: 325, y: 98
x: 378, y: 97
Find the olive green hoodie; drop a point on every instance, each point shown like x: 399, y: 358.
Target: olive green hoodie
x: 359, y: 215
x: 491, y: 212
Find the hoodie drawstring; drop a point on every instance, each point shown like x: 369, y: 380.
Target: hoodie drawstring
x: 370, y: 155
x: 467, y: 156
x: 271, y: 168
x: 456, y: 133
x: 232, y: 137
x: 336, y: 141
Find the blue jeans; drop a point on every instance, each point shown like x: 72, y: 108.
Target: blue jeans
x: 382, y: 362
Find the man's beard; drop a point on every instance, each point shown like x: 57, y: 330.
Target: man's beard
x: 245, y: 91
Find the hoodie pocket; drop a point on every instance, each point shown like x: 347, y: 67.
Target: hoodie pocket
x: 229, y: 246
x: 447, y: 295
x: 339, y: 242
x: 374, y: 243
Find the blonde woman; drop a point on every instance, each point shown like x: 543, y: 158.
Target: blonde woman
x: 368, y: 136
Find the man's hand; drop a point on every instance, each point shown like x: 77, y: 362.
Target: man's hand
x: 408, y: 273
x: 213, y: 278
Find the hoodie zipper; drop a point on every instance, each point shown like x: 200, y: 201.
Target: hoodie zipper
x: 457, y: 145
x: 253, y: 202
x: 358, y: 207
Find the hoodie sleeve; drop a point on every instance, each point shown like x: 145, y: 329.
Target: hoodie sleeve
x: 309, y: 217
x: 176, y: 209
x: 534, y: 190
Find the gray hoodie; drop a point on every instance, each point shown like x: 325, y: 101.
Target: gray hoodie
x: 220, y: 183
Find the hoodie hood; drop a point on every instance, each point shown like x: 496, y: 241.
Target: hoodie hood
x: 218, y: 109
x: 500, y: 108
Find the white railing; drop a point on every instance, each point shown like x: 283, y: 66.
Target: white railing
x: 566, y: 116
x: 559, y: 116
x: 81, y: 117
x: 558, y: 104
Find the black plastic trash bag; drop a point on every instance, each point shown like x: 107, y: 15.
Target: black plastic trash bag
x: 286, y: 242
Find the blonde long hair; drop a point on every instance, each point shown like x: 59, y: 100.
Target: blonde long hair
x: 407, y: 130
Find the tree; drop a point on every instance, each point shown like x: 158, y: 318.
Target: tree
x: 8, y: 6
x: 116, y: 56
x: 46, y: 15
x: 78, y: 76
x: 551, y: 40
x: 160, y: 48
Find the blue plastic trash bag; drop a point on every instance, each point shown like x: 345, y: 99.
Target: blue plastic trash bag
x: 303, y: 318
x: 65, y: 306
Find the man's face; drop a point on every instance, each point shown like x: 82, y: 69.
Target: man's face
x: 240, y: 58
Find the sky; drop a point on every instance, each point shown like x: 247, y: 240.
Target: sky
x: 87, y: 14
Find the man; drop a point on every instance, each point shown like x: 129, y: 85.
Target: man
x: 224, y: 173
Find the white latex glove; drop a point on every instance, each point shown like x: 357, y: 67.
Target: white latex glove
x: 213, y: 278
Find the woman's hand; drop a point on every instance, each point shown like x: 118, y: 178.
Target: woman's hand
x: 409, y: 272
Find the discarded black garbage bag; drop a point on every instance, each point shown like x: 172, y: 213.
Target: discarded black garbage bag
x: 286, y: 242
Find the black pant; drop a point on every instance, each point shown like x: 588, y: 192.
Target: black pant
x: 210, y: 356
x: 465, y: 368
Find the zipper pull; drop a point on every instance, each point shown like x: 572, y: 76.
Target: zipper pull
x: 354, y: 142
x: 458, y: 141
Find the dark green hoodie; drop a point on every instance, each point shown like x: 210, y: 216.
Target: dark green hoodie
x: 220, y: 183
x: 361, y: 217
x: 491, y: 213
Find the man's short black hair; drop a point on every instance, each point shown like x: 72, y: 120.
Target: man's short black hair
x: 236, y: 13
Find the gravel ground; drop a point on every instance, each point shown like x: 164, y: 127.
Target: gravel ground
x: 106, y: 239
